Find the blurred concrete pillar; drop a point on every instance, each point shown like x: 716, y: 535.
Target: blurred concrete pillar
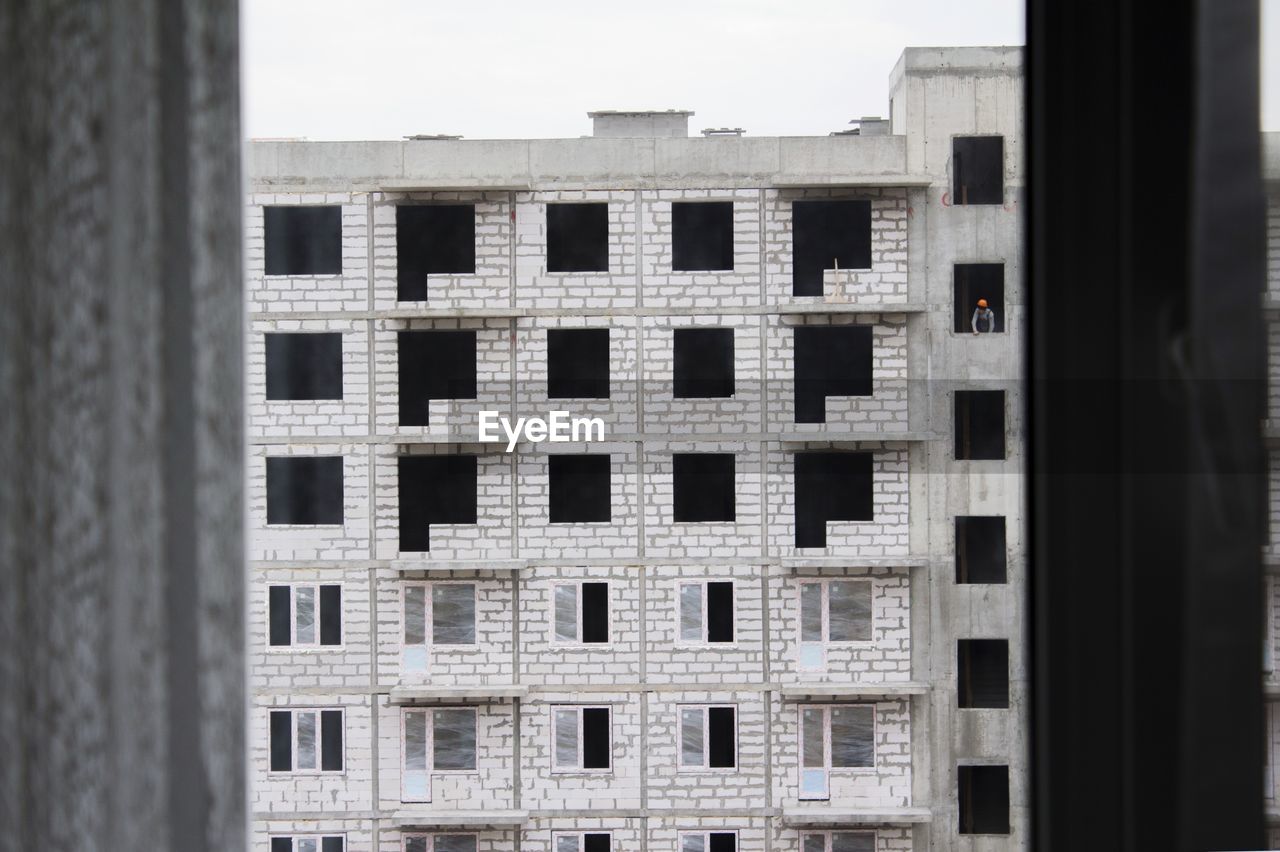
x: 121, y: 518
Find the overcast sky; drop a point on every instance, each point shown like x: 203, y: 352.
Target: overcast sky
x: 384, y: 69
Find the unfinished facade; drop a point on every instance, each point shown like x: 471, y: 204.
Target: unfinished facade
x: 779, y: 607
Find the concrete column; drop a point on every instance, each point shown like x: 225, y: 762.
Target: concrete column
x: 122, y: 702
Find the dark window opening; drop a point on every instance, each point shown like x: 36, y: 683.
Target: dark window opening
x: 703, y: 363
x: 984, y: 799
x: 281, y: 740
x: 974, y: 281
x: 434, y: 365
x: 723, y: 841
x: 721, y: 738
x: 701, y: 236
x: 281, y: 615
x: 330, y: 615
x: 720, y: 616
x: 282, y: 844
x: 827, y: 235
x: 830, y: 360
x: 434, y: 490
x: 579, y: 489
x: 831, y: 487
x: 435, y: 239
x: 332, y: 844
x: 595, y: 612
x: 980, y: 549
x: 578, y: 363
x: 979, y: 425
x: 331, y: 740
x: 703, y: 486
x: 305, y: 490
x: 983, y: 673
x: 278, y: 602
x: 303, y: 240
x: 595, y: 842
x: 977, y: 164
x: 578, y: 237
x: 304, y: 366
x: 595, y: 738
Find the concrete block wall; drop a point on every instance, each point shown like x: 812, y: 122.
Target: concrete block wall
x: 884, y: 282
x: 664, y: 287
x: 514, y: 557
x: 488, y: 287
x: 285, y: 294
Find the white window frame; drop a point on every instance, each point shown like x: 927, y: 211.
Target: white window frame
x: 706, y: 740
x: 294, y: 645
x: 293, y: 741
x: 827, y: 768
x: 429, y: 645
x: 318, y: 838
x: 579, y: 835
x: 579, y: 769
x: 431, y: 769
x: 828, y: 836
x: 577, y: 641
x: 704, y: 642
x: 826, y: 643
x: 431, y: 838
x: 706, y: 837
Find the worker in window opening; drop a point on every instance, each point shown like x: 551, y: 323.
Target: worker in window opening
x: 984, y: 319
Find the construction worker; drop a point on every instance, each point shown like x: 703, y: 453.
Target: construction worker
x: 984, y: 319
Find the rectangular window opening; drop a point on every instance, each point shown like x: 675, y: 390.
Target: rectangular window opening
x: 703, y: 363
x: 306, y: 740
x: 701, y: 236
x: 831, y: 486
x: 977, y: 164
x: 974, y: 281
x: 828, y: 235
x: 434, y: 364
x: 304, y: 490
x: 440, y: 843
x: 581, y: 612
x: 303, y: 366
x: 984, y: 799
x: 579, y: 488
x: 708, y: 841
x: 309, y: 843
x: 703, y: 487
x: 432, y: 239
x: 578, y: 237
x: 979, y: 425
x: 582, y: 841
x: 303, y: 240
x: 304, y: 615
x: 839, y: 841
x: 983, y: 673
x: 980, y: 549
x: 578, y: 363
x: 708, y: 737
x: 830, y: 360
x: 434, y: 490
x: 581, y: 738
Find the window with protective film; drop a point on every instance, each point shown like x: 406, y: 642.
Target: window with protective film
x: 834, y: 737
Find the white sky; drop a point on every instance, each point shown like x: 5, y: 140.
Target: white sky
x: 384, y: 69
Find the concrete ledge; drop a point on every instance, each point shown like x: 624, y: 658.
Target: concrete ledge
x: 914, y: 561
x: 853, y: 307
x: 1271, y: 690
x: 407, y: 820
x: 817, y: 815
x: 805, y: 691
x: 850, y: 180
x: 822, y: 437
x: 407, y: 565
x: 477, y: 692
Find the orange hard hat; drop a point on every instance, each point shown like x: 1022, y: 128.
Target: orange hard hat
x: 982, y: 303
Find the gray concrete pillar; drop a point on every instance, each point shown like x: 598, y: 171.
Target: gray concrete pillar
x: 122, y: 701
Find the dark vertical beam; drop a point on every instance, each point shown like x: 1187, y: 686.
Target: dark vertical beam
x: 1145, y: 414
x: 121, y: 541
